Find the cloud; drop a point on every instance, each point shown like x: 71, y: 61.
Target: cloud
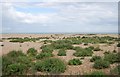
x: 66, y: 16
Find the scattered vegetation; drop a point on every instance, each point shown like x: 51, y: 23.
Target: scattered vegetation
x: 26, y: 39
x: 75, y: 62
x: 18, y: 63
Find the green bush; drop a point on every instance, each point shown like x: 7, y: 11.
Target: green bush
x: 97, y: 49
x: 51, y: 65
x: 19, y: 59
x: 61, y: 53
x: 100, y: 64
x: 16, y: 69
x: 62, y: 44
x: 91, y: 47
x: 94, y: 58
x: 44, y: 55
x: 24, y: 60
x: 74, y: 62
x: 32, y: 51
x: 47, y: 48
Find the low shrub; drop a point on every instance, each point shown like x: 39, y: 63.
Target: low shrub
x: 16, y: 69
x: 74, y: 62
x: 112, y: 58
x: 47, y: 48
x: 94, y: 58
x: 96, y: 74
x: 44, y: 55
x: 83, y: 52
x: 61, y: 52
x: 116, y: 70
x: 32, y: 51
x: 15, y: 53
x: 15, y: 63
x: 100, y: 64
x: 51, y: 65
x: 62, y: 44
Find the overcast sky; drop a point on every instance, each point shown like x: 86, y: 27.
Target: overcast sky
x: 44, y: 17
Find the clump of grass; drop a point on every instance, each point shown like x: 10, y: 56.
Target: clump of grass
x: 62, y: 44
x: 32, y: 52
x: 116, y: 70
x: 61, y: 52
x: 80, y: 52
x: 47, y: 48
x: 51, y: 65
x: 96, y: 74
x: 44, y: 55
x: 94, y: 58
x: 75, y: 62
x: 112, y: 58
x: 100, y: 64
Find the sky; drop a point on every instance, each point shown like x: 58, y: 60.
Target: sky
x: 59, y: 17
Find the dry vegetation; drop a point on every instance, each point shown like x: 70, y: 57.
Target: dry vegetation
x: 71, y: 55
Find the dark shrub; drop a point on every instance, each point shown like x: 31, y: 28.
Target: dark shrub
x: 114, y: 51
x: 44, y: 55
x: 97, y: 49
x: 61, y: 52
x: 32, y: 51
x: 52, y: 65
x: 107, y: 52
x: 74, y: 62
x: 85, y: 43
x: 118, y: 45
x: 2, y: 45
x: 94, y: 58
x: 99, y: 64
